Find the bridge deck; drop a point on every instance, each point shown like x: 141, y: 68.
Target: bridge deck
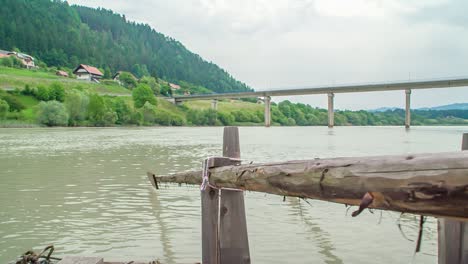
x: 376, y: 87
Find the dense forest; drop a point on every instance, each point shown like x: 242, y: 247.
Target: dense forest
x: 62, y: 35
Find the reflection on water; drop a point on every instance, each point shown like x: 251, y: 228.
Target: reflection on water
x: 317, y: 234
x: 85, y: 191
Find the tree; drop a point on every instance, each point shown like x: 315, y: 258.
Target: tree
x: 124, y: 111
x: 76, y: 103
x: 148, y: 112
x: 43, y: 93
x: 152, y: 82
x: 107, y: 73
x: 52, y: 113
x: 4, y: 108
x: 142, y: 94
x: 127, y: 80
x: 99, y: 114
x: 57, y: 92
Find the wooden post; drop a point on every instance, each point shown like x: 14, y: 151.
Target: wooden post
x: 408, y: 108
x: 331, y: 114
x: 267, y: 111
x: 453, y: 235
x: 214, y: 104
x: 233, y: 238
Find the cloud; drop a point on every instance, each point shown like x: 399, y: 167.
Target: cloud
x: 297, y: 43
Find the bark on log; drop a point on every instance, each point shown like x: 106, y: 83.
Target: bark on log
x: 426, y: 184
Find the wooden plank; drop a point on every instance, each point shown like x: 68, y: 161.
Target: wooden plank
x: 426, y: 184
x: 210, y: 237
x: 453, y: 235
x: 81, y: 260
x: 233, y: 237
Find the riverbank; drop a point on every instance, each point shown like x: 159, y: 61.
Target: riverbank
x: 38, y: 98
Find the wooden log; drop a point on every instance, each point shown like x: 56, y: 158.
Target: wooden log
x: 453, y: 235
x: 233, y: 237
x: 426, y: 184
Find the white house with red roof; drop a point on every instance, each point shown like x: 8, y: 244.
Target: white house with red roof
x: 88, y: 73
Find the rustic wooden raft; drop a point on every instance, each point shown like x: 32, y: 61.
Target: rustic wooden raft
x: 424, y: 184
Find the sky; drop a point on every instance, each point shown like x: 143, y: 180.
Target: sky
x: 271, y: 44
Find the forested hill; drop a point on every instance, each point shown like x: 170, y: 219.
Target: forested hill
x: 63, y: 35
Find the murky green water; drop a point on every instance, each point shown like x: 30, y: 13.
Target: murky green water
x: 85, y: 191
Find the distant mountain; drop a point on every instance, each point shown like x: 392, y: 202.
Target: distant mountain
x: 457, y: 106
x: 65, y: 36
x: 383, y: 109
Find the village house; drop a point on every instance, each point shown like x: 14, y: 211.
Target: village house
x: 174, y: 86
x: 26, y: 60
x: 88, y: 73
x: 62, y: 73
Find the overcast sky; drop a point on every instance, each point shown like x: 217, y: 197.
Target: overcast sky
x: 271, y: 44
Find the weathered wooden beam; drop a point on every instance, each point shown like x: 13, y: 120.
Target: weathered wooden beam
x: 426, y: 184
x: 453, y: 234
x: 233, y: 236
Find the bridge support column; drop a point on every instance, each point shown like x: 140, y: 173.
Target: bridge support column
x: 176, y: 102
x: 267, y: 100
x: 331, y: 114
x: 214, y: 104
x: 408, y: 108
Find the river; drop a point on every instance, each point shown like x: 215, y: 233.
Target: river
x: 85, y: 191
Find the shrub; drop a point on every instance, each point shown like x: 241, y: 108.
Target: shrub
x: 226, y: 118
x: 76, y: 103
x: 52, y: 113
x: 13, y: 102
x: 143, y: 94
x: 127, y: 80
x: 99, y: 114
x: 4, y: 108
x: 57, y: 92
x: 42, y: 93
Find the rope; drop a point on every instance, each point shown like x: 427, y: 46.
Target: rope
x: 206, y: 178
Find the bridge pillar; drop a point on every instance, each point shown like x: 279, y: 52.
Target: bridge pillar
x: 177, y: 102
x: 408, y: 108
x: 331, y: 114
x: 214, y: 104
x: 267, y: 111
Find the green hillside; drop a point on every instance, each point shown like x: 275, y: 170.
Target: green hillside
x: 64, y: 36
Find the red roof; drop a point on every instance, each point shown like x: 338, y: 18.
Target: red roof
x: 4, y: 56
x: 174, y: 86
x: 90, y: 69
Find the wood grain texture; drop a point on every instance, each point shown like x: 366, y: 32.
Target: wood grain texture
x: 427, y: 184
x: 233, y: 236
x: 453, y: 235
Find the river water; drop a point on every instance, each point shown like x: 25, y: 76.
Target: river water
x: 85, y: 191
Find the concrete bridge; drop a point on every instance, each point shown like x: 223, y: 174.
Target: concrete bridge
x: 331, y: 91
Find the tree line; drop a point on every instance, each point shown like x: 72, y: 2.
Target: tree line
x: 78, y: 107
x: 61, y: 35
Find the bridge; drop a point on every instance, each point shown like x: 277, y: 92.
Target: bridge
x: 406, y: 86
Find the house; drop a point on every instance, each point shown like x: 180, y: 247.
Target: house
x: 62, y: 73
x: 174, y: 86
x: 88, y: 73
x: 4, y: 54
x: 26, y: 60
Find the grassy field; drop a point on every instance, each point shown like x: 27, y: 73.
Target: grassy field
x: 11, y: 78
x: 226, y: 105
